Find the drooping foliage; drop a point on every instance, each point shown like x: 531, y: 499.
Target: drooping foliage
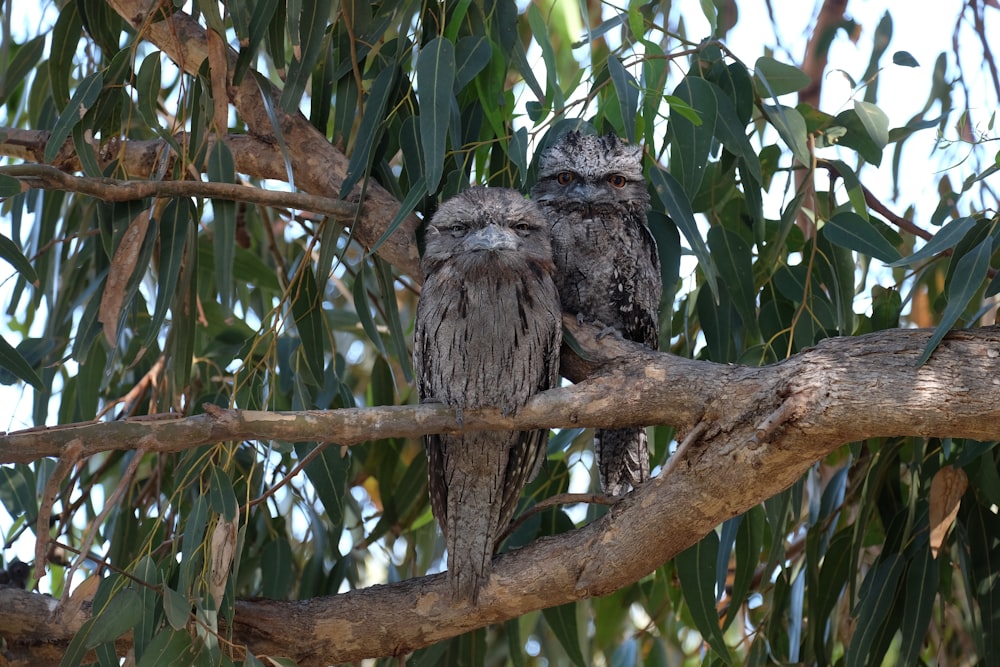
x: 769, y: 241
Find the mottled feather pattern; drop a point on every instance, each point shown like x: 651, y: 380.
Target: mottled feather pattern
x: 487, y: 334
x: 593, y: 193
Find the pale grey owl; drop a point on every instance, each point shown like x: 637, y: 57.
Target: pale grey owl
x: 487, y: 334
x: 593, y: 194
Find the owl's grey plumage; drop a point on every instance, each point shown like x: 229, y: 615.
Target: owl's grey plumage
x: 487, y: 334
x: 592, y: 191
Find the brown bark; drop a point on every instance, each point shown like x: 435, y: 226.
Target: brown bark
x: 760, y: 430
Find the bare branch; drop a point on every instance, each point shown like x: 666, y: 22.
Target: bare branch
x: 110, y: 189
x: 844, y: 389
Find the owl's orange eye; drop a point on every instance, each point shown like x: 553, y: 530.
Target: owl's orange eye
x: 564, y: 177
x: 617, y: 181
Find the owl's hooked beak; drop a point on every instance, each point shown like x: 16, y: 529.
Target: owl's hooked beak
x: 491, y: 238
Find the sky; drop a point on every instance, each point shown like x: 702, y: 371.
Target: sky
x: 903, y: 91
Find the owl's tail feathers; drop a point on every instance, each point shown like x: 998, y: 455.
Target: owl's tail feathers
x: 475, y: 494
x: 622, y: 459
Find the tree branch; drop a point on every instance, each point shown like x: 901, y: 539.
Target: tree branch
x: 111, y: 189
x: 842, y: 390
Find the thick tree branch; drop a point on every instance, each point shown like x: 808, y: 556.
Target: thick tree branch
x: 762, y: 429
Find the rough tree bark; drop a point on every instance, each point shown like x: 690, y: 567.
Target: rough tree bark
x: 754, y: 432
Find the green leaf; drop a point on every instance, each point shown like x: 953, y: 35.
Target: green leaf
x: 116, y: 619
x: 967, y: 278
x: 387, y: 290
x: 370, y: 129
x: 9, y: 250
x: 904, y: 59
x: 875, y: 121
x: 83, y: 98
x: 851, y: 231
x: 222, y: 169
x: 25, y: 61
x: 9, y: 187
x: 14, y: 363
x: 878, y: 591
x: 221, y: 497
x: 627, y: 90
x: 416, y: 194
x: 696, y: 572
x: 364, y: 309
x: 749, y: 541
x: 260, y: 18
x: 517, y: 151
x: 307, y: 310
x: 472, y: 55
x: 921, y: 589
x: 678, y: 207
x: 17, y: 491
x: 170, y: 648
x: 773, y: 78
x: 328, y: 474
x: 732, y: 133
x: 855, y: 192
x: 65, y: 43
x: 691, y: 143
x: 435, y: 91
x: 147, y: 88
x: 791, y: 127
x: 312, y: 22
x: 734, y: 261
x: 563, y: 622
x: 149, y: 597
x: 276, y: 559
x: 174, y: 225
x: 947, y: 237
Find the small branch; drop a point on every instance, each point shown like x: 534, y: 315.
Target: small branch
x: 110, y: 189
x: 876, y: 205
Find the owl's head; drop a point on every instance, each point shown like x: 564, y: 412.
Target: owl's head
x: 488, y: 229
x: 590, y: 170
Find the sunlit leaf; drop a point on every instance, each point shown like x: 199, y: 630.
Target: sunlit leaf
x: 875, y: 121
x: 791, y: 128
x: 947, y: 237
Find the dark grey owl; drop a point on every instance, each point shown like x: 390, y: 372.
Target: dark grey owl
x: 593, y: 194
x: 487, y: 334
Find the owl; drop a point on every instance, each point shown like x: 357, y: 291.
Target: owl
x: 592, y: 192
x: 487, y: 334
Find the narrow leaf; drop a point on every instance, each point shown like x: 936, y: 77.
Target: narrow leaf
x: 562, y: 620
x: 363, y: 308
x: 791, y: 127
x: 12, y: 254
x: 921, y: 589
x: 734, y: 261
x: 222, y: 169
x: 13, y: 362
x: 851, y: 231
x: 965, y: 282
x: 947, y: 237
x: 117, y: 618
x: 905, y: 59
x: 83, y: 98
x: 370, y: 129
x: 173, y: 226
x: 435, y: 90
x: 678, y: 207
x: 696, y: 571
x: 874, y: 605
x: 25, y: 60
x: 312, y: 24
x: 307, y: 310
x: 472, y: 54
x: 628, y: 94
